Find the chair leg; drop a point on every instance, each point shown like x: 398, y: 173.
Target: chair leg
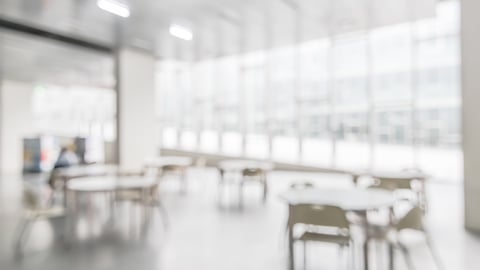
x: 163, y: 212
x: 346, y: 256
x: 265, y: 189
x: 220, y: 189
x: 407, y: 257
x: 133, y: 219
x: 391, y: 256
x: 340, y: 254
x: 19, y: 231
x: 304, y: 255
x: 21, y: 235
x: 434, y: 253
x: 291, y: 253
x: 352, y: 255
x: 183, y: 179
x: 240, y: 195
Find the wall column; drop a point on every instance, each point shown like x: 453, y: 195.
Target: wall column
x: 470, y: 39
x: 136, y: 126
x: 16, y: 121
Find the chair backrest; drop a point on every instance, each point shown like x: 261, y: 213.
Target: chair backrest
x: 412, y: 220
x: 393, y: 184
x: 171, y: 168
x: 302, y: 185
x: 253, y: 172
x: 325, y: 215
x: 132, y: 173
x: 36, y: 198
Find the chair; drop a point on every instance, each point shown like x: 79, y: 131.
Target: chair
x: 327, y: 224
x: 415, y: 190
x: 178, y: 170
x: 302, y: 185
x: 414, y: 220
x: 37, y: 205
x: 136, y: 196
x: 253, y: 174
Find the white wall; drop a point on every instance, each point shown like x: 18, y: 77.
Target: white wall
x: 136, y: 126
x: 16, y: 123
x: 470, y: 38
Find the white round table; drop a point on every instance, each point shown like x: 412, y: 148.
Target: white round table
x: 101, y: 184
x: 109, y: 183
x: 238, y: 165
x: 357, y: 200
x: 399, y: 180
x: 241, y: 170
x: 394, y: 175
x: 347, y: 199
x: 169, y: 161
x: 86, y: 170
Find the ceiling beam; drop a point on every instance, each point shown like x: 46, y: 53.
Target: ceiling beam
x: 47, y: 34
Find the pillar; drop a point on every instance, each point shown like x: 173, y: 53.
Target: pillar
x: 136, y: 127
x: 470, y: 39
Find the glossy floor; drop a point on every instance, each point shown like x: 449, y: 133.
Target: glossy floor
x: 203, y: 235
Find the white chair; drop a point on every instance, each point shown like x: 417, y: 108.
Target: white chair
x: 302, y: 185
x: 137, y: 196
x: 414, y: 220
x: 391, y: 234
x: 37, y: 205
x: 253, y: 174
x: 309, y: 223
x: 178, y: 171
x: 412, y: 190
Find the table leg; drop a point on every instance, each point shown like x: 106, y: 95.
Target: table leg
x: 70, y: 217
x: 183, y: 179
x: 355, y: 179
x: 366, y: 254
x: 291, y: 263
x: 91, y: 214
x: 391, y: 256
x: 365, y: 246
x: 111, y: 196
x: 221, y: 184
x: 240, y: 194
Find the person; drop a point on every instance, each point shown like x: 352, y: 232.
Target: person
x: 66, y: 158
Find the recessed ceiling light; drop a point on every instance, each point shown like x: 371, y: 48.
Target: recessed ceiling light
x: 181, y: 32
x: 114, y: 7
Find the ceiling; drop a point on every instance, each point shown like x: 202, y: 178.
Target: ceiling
x: 220, y: 27
x: 30, y: 59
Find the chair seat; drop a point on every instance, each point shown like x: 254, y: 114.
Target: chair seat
x: 52, y: 212
x: 380, y: 232
x: 329, y: 238
x: 126, y: 195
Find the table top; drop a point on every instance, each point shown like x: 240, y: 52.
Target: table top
x: 109, y: 183
x: 169, y: 161
x: 396, y: 175
x: 347, y: 199
x: 86, y: 170
x: 241, y: 164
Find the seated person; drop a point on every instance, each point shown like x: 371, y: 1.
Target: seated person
x: 66, y: 158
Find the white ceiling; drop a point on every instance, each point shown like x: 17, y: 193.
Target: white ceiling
x: 220, y: 27
x: 24, y: 58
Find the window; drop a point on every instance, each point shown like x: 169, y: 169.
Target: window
x: 387, y: 98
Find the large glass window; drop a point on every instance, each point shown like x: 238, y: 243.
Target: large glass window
x: 383, y: 98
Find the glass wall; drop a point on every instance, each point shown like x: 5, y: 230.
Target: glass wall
x: 385, y: 98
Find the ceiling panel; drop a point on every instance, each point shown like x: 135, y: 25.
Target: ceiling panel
x: 220, y: 27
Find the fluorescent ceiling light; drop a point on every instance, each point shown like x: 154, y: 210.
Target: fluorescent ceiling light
x: 181, y: 32
x: 114, y: 7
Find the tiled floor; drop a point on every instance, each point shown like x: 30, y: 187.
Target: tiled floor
x: 202, y: 235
